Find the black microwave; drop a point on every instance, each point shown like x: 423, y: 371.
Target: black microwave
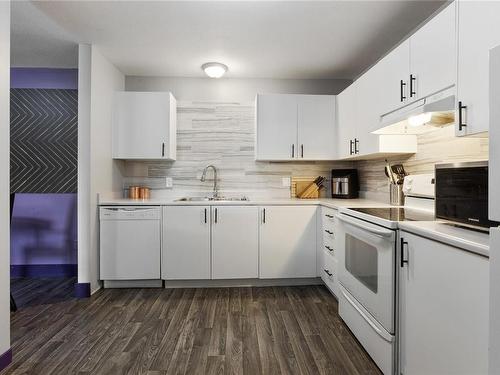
x: 462, y: 194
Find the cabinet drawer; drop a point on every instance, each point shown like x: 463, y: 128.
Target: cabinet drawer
x: 327, y: 217
x: 328, y: 227
x: 329, y: 275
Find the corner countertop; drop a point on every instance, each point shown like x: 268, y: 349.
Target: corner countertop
x: 326, y: 202
x: 466, y: 239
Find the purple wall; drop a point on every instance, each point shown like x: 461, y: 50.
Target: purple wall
x: 43, y: 78
x: 44, y: 229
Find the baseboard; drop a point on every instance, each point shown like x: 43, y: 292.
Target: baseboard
x: 5, y: 359
x: 82, y: 290
x: 133, y: 284
x: 241, y: 283
x: 43, y: 270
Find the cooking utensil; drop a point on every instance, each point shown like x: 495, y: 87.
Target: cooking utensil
x: 388, y: 173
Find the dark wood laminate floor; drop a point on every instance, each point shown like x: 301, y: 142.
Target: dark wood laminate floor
x: 43, y: 290
x: 275, y: 330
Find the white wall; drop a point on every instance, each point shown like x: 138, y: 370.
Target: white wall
x: 105, y: 175
x: 84, y: 77
x: 98, y: 173
x: 4, y: 176
x: 232, y: 90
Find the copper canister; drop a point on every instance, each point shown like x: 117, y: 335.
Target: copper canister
x: 144, y: 193
x: 133, y: 192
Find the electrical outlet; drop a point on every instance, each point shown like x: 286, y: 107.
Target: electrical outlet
x: 168, y: 182
x: 286, y: 181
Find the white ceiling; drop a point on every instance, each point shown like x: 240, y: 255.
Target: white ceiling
x: 263, y: 39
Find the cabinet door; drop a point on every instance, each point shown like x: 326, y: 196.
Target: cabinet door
x: 186, y: 243
x: 287, y: 242
x: 141, y: 125
x: 444, y: 309
x: 494, y: 141
x: 394, y: 68
x: 276, y: 127
x: 478, y: 32
x: 346, y: 121
x: 368, y: 111
x: 433, y: 55
x: 235, y: 242
x: 316, y: 127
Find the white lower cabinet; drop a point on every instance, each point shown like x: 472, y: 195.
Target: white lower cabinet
x: 287, y: 242
x: 186, y: 243
x: 444, y: 309
x: 327, y: 262
x: 235, y: 242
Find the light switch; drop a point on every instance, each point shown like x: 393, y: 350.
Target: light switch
x: 168, y: 182
x: 286, y: 181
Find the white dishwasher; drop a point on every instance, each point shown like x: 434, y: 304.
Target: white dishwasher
x: 130, y: 242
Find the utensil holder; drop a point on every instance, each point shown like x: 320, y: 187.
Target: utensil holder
x: 397, y: 197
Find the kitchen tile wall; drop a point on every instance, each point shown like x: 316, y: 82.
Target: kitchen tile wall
x: 438, y: 146
x: 221, y: 134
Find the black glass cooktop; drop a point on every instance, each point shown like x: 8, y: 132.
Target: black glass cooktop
x: 397, y: 213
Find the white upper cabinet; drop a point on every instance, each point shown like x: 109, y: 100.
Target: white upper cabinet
x: 287, y: 242
x: 433, y: 55
x: 295, y: 127
x: 144, y: 125
x: 235, y: 242
x: 359, y: 116
x: 478, y: 32
x: 276, y: 117
x: 394, y: 71
x: 346, y: 121
x: 316, y: 127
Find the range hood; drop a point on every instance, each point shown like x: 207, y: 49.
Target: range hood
x: 419, y: 117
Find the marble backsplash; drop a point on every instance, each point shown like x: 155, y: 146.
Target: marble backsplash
x: 438, y: 146
x: 221, y: 134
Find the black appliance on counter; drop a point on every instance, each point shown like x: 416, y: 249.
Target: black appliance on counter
x: 462, y: 194
x: 345, y: 183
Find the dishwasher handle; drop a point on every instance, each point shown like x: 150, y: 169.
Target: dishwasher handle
x: 129, y: 213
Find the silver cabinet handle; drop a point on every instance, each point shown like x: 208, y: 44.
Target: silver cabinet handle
x: 216, y: 215
x: 206, y: 215
x: 328, y: 272
x: 328, y: 231
x: 302, y: 151
x: 264, y: 216
x: 328, y: 248
x: 329, y: 216
x: 293, y: 150
x: 163, y: 149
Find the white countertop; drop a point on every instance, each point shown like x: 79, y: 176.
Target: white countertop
x: 467, y: 239
x: 327, y: 202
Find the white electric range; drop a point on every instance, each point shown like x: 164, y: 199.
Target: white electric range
x: 368, y: 244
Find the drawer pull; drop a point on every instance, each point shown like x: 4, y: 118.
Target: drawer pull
x: 329, y: 232
x: 329, y: 216
x: 328, y: 273
x: 328, y: 248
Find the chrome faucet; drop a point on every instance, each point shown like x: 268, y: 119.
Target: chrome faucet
x: 204, y: 175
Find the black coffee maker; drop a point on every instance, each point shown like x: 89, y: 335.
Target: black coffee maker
x: 345, y: 183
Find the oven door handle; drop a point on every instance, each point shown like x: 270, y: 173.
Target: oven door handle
x: 366, y: 226
x: 387, y: 337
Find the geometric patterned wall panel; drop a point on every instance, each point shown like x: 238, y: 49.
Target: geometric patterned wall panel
x: 43, y: 140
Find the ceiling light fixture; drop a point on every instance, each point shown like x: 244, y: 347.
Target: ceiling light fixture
x: 214, y: 69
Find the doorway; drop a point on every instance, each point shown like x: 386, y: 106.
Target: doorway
x: 44, y: 151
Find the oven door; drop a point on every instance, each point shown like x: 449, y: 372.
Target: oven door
x: 366, y: 266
